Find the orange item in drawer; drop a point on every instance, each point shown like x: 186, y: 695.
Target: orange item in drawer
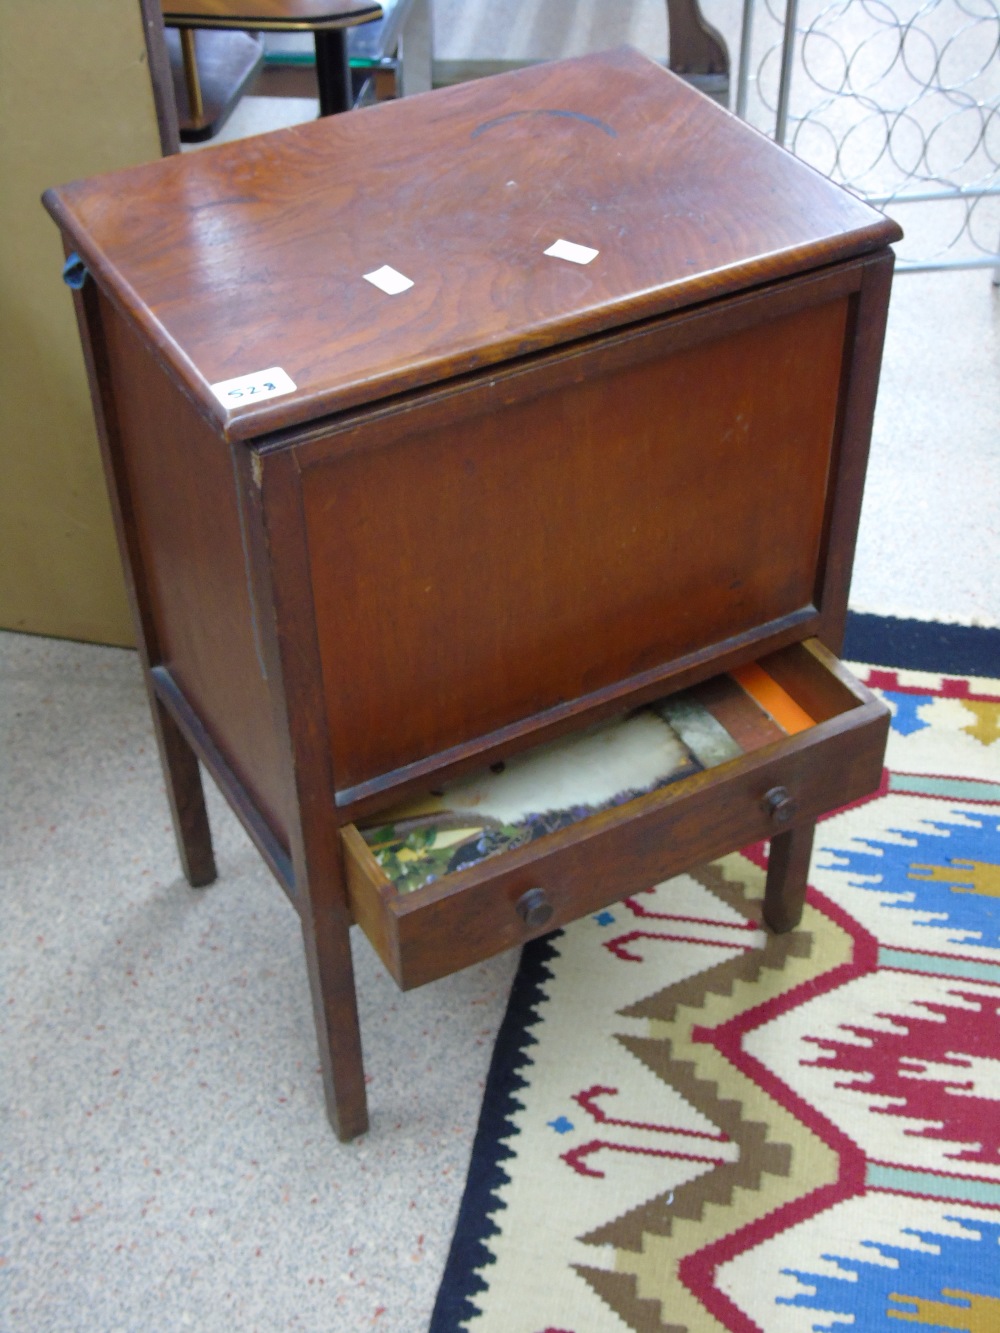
x: 789, y: 715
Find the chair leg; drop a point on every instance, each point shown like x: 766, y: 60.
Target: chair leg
x: 192, y: 80
x: 333, y: 71
x: 186, y: 795
x: 695, y: 46
x: 787, y: 877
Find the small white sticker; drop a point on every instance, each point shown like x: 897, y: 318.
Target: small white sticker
x: 252, y: 388
x: 576, y: 254
x: 390, y: 282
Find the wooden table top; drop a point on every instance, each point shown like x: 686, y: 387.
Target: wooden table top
x: 253, y: 254
x: 269, y: 15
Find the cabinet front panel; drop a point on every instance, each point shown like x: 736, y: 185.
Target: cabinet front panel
x: 473, y: 573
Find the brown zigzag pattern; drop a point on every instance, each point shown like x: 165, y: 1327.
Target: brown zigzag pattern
x: 756, y: 1155
x: 618, y: 1291
x: 692, y: 992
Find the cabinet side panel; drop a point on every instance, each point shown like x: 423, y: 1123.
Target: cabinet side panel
x: 182, y: 492
x: 565, y: 537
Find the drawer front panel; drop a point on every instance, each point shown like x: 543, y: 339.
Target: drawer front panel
x: 474, y: 914
x: 544, y: 540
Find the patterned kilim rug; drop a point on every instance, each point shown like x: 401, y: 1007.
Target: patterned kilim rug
x: 691, y: 1124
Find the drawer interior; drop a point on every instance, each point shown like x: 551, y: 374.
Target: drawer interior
x: 421, y: 841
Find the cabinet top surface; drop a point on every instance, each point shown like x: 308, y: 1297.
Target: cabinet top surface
x: 252, y: 255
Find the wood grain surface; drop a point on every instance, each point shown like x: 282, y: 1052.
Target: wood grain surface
x: 178, y: 481
x: 473, y: 573
x: 253, y: 255
x: 519, y: 495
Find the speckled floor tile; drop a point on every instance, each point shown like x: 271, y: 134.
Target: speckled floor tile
x: 167, y: 1159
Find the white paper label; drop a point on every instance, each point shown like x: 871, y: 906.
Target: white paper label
x: 252, y: 388
x: 576, y: 254
x: 388, y: 280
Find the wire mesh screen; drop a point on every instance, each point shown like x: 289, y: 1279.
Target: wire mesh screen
x: 899, y: 102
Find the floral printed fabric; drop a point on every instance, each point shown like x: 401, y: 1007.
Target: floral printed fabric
x: 546, y: 789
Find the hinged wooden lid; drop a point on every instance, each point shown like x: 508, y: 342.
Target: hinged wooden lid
x: 252, y: 256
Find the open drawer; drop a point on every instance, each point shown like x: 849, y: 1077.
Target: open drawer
x: 562, y: 830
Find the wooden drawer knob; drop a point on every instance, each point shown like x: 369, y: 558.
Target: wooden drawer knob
x: 534, y: 908
x: 780, y: 806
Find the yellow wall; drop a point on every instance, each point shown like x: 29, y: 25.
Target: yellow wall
x: 75, y: 99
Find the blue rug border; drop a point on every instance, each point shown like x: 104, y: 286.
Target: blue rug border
x: 914, y: 645
x: 474, y: 1224
x: 922, y: 645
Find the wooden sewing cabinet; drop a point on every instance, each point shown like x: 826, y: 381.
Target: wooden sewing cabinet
x: 520, y: 496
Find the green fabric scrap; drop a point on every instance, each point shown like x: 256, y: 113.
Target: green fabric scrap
x: 704, y: 735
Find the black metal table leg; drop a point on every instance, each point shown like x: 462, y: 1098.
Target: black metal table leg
x: 333, y: 71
